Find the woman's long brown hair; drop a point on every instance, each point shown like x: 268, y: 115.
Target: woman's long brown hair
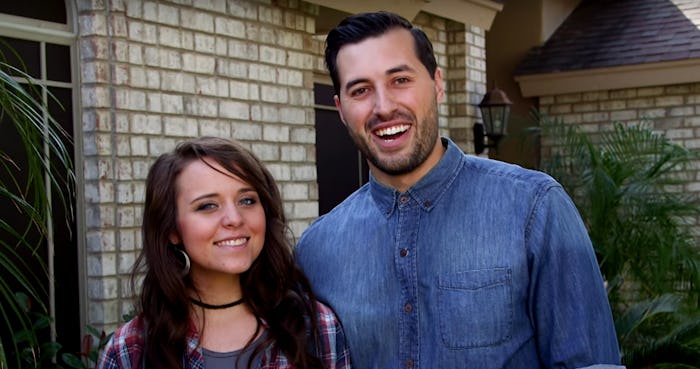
x: 274, y: 287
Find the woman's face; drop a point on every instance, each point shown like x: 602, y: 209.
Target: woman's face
x: 220, y: 221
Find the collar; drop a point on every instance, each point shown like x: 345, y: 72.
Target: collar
x: 428, y: 190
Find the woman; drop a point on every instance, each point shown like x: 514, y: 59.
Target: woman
x: 221, y: 289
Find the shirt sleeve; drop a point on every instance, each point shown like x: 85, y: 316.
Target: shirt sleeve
x: 334, y: 350
x: 567, y: 298
x: 124, y: 348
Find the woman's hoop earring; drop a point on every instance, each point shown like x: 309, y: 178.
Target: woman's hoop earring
x: 186, y: 258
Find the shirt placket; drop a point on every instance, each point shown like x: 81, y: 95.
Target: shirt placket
x: 405, y: 261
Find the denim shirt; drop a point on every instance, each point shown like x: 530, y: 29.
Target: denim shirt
x: 480, y: 264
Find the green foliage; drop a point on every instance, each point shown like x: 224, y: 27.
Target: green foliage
x: 626, y: 184
x: 48, y: 167
x: 93, y: 344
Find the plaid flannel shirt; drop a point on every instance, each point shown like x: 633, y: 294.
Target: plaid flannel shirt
x: 125, y: 348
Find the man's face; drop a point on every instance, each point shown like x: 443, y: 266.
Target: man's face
x: 388, y: 102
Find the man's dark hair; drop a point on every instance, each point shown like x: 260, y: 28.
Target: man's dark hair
x: 358, y: 27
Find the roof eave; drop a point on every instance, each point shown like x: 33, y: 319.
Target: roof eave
x: 610, y: 78
x: 478, y: 13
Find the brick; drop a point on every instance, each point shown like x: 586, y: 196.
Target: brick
x: 295, y: 191
x: 126, y: 262
x: 173, y: 104
x: 212, y: 5
x: 169, y: 36
x: 214, y: 128
x: 101, y: 241
x: 305, y: 209
x: 281, y: 172
x: 246, y: 131
x: 303, y: 135
x: 180, y: 126
x: 292, y: 115
x: 682, y: 111
x: 232, y: 69
x: 266, y: 152
x: 197, y: 20
x: 102, y: 288
x: 266, y: 113
x: 623, y: 115
x: 234, y: 110
x: 158, y: 146
x: 104, y: 264
x: 274, y: 94
x: 668, y: 101
x: 276, y: 133
x: 273, y: 55
x: 293, y: 153
x: 262, y: 73
x: 304, y: 173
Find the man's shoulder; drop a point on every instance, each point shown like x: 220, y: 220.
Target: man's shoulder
x: 340, y: 212
x: 495, y: 171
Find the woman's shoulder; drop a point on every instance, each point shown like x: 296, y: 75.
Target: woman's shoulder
x: 125, y: 345
x: 130, y: 331
x: 326, y: 317
x: 333, y: 349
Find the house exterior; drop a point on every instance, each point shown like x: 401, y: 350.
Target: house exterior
x: 592, y: 62
x: 137, y: 76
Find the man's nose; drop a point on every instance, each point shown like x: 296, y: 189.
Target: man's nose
x: 384, y: 103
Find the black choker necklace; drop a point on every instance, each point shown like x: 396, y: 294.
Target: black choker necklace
x: 224, y: 306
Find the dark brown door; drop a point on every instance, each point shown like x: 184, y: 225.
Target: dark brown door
x: 340, y: 167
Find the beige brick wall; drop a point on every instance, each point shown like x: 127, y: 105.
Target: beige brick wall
x: 674, y: 111
x: 153, y: 73
x: 156, y: 72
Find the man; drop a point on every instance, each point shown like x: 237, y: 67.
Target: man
x: 445, y: 260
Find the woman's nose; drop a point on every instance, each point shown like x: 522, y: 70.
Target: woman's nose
x: 232, y: 217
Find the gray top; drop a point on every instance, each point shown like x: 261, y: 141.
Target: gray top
x: 233, y: 359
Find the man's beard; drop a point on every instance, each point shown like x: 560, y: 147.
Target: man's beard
x: 425, y: 140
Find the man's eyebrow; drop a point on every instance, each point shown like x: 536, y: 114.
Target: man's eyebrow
x: 355, y: 82
x: 400, y: 68
x: 390, y: 71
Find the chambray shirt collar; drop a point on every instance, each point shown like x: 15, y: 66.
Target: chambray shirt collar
x: 428, y: 190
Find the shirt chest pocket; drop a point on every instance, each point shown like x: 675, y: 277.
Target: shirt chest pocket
x: 475, y: 307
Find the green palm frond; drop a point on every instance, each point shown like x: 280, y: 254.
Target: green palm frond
x: 625, y: 183
x: 47, y: 169
x: 678, y: 348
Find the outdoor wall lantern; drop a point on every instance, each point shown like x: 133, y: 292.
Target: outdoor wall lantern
x: 495, y: 111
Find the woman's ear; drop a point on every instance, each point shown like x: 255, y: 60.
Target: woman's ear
x: 174, y: 238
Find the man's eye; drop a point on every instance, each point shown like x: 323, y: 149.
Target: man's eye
x: 358, y: 91
x: 401, y: 80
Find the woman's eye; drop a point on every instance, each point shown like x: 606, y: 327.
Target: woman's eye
x: 206, y: 206
x: 248, y: 201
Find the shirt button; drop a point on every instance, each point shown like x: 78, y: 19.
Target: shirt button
x: 403, y: 199
x: 408, y: 308
x: 427, y: 204
x: 409, y: 363
x: 403, y: 253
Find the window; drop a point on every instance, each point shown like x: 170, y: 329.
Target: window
x: 39, y: 32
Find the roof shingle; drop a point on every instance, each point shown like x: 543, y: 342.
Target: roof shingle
x: 607, y: 33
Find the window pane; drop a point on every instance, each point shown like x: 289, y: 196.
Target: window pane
x: 52, y: 10
x: 28, y: 52
x: 58, y: 63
